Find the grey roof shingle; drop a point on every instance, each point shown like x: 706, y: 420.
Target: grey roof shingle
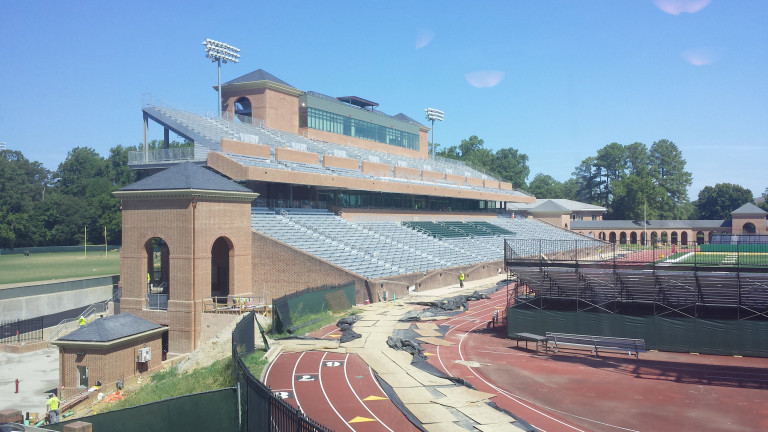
x: 749, y: 209
x: 183, y: 176
x: 257, y: 75
x: 111, y: 328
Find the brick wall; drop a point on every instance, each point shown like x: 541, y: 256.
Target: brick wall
x: 106, y: 365
x: 341, y: 162
x: 291, y: 155
x: 279, y: 269
x: 244, y: 148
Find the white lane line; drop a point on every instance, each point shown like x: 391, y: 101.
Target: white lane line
x: 269, y: 368
x: 293, y: 381
x: 346, y: 376
x: 515, y: 398
x: 320, y: 378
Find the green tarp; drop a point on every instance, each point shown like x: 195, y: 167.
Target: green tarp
x: 722, y: 337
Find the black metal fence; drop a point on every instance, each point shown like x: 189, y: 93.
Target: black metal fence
x: 18, y: 331
x: 595, y: 252
x: 261, y: 409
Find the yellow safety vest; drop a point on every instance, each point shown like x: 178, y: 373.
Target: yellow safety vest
x: 81, y: 321
x: 461, y: 276
x: 53, y: 403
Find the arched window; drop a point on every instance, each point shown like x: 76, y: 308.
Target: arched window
x: 673, y: 237
x: 664, y: 237
x: 700, y: 237
x: 748, y: 228
x: 243, y: 110
x: 654, y: 238
x: 221, y: 268
x: 612, y: 237
x: 602, y: 236
x: 623, y: 238
x: 158, y: 272
x: 684, y: 238
x: 633, y: 237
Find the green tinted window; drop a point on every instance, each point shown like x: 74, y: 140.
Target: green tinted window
x: 335, y: 123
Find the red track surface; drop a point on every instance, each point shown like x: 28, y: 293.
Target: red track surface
x: 569, y: 391
x: 337, y: 390
x: 576, y: 391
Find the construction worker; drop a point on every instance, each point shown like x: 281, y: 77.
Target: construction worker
x: 461, y: 279
x: 52, y: 407
x: 81, y: 321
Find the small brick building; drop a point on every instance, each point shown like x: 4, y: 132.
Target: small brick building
x: 106, y: 350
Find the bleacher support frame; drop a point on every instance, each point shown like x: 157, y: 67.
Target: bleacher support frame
x: 589, y: 276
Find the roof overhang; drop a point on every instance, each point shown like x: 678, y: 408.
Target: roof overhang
x: 109, y: 344
x: 264, y: 84
x: 186, y: 193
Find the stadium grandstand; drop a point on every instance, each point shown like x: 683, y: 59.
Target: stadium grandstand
x: 293, y: 189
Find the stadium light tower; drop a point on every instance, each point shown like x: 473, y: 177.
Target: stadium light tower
x: 432, y: 115
x: 221, y: 53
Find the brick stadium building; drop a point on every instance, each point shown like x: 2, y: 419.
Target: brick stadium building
x: 294, y: 189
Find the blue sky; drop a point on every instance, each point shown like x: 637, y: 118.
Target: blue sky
x: 555, y: 79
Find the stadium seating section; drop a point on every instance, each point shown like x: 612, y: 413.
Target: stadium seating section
x: 207, y: 132
x: 375, y: 249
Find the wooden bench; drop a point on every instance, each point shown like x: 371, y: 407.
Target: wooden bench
x: 540, y: 340
x: 596, y: 343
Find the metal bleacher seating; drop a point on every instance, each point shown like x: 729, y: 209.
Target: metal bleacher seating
x: 208, y: 132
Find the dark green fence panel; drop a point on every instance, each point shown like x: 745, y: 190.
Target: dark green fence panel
x: 721, y: 337
x: 310, y: 301
x: 210, y: 411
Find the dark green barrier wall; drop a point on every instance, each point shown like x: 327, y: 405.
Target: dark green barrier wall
x: 210, y: 411
x: 723, y: 337
x: 311, y: 301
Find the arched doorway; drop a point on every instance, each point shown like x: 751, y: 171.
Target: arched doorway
x: 664, y: 237
x: 623, y: 237
x: 654, y: 238
x: 700, y: 237
x: 673, y: 237
x: 633, y: 237
x: 612, y: 237
x: 243, y: 110
x: 684, y: 238
x: 158, y: 271
x: 601, y: 236
x: 748, y: 228
x: 221, y: 268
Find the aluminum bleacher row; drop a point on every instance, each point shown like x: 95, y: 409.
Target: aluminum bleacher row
x: 211, y: 130
x: 376, y: 249
x: 675, y: 289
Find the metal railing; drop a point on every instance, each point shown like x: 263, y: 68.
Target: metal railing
x: 70, y: 324
x: 157, y: 301
x: 18, y: 331
x: 584, y: 252
x: 162, y: 155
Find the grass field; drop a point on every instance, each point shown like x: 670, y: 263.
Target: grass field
x: 743, y: 259
x: 56, y: 265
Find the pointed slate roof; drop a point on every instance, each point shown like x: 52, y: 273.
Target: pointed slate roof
x: 257, y: 75
x: 185, y: 176
x: 549, y: 206
x: 111, y: 328
x: 749, y: 209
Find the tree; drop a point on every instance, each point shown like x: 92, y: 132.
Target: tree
x: 668, y: 170
x: 510, y: 165
x: 631, y: 196
x: 22, y: 185
x: 545, y: 186
x: 507, y: 164
x: 718, y: 202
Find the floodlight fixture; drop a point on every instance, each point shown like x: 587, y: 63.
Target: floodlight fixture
x: 220, y: 52
x: 432, y: 115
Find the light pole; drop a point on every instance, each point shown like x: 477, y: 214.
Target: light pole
x: 432, y: 115
x: 221, y: 53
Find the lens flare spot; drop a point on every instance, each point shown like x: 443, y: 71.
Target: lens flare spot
x: 676, y: 7
x: 484, y: 79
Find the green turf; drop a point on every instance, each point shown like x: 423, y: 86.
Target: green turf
x: 57, y: 265
x: 744, y: 259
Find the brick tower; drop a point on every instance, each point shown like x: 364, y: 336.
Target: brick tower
x: 186, y: 236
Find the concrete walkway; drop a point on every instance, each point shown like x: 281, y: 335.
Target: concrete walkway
x: 38, y: 375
